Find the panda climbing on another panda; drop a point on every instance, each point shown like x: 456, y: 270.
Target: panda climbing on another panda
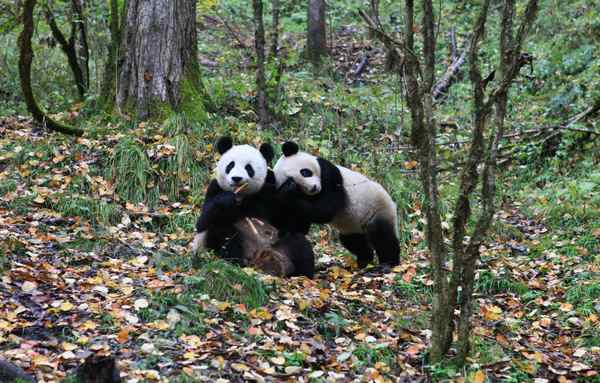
x: 316, y: 191
x: 238, y: 207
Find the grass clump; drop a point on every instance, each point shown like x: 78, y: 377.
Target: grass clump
x: 490, y: 283
x: 130, y: 171
x: 226, y: 282
x: 96, y: 211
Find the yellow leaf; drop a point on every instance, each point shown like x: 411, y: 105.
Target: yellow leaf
x: 261, y: 314
x: 491, y: 312
x: 123, y: 335
x: 566, y: 307
x: 240, y: 367
x: 278, y: 360
x: 39, y: 199
x: 68, y: 346
x: 89, y: 325
x: 28, y: 286
x: 66, y: 306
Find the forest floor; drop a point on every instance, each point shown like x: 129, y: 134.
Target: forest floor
x: 85, y: 273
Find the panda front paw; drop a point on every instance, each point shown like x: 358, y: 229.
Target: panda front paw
x: 289, y: 187
x: 226, y: 199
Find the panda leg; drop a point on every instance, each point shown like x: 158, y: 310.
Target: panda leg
x: 358, y: 244
x: 300, y: 252
x: 383, y: 238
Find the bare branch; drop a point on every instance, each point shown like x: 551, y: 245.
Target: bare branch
x: 25, y: 59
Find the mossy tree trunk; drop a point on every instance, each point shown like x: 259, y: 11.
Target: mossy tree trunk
x: 316, y: 38
x: 158, y: 54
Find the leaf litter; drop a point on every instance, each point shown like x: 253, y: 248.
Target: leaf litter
x: 62, y: 302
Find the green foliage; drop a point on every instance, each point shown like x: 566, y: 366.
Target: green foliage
x: 130, y: 171
x: 490, y: 283
x: 226, y: 282
x: 332, y: 324
x: 96, y: 211
x: 369, y: 355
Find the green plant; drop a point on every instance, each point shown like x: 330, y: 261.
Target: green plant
x: 226, y: 282
x: 130, y: 171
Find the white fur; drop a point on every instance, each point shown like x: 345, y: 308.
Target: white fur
x: 289, y: 167
x: 367, y: 199
x: 242, y: 155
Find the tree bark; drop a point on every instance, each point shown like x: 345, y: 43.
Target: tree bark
x: 109, y: 86
x: 25, y: 59
x: 158, y: 53
x: 69, y: 49
x: 259, y: 47
x: 316, y: 37
x: 423, y: 134
x: 84, y: 51
x: 275, y: 34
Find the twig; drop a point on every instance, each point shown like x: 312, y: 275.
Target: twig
x: 232, y: 32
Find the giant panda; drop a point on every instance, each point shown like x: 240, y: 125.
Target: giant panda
x: 244, y: 189
x: 314, y: 190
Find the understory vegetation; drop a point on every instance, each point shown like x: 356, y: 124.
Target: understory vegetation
x: 95, y: 230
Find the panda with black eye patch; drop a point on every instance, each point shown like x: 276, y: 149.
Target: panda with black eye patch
x: 241, y: 197
x: 314, y: 190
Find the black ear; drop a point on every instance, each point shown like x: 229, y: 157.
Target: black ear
x: 289, y: 148
x: 224, y: 144
x: 267, y: 151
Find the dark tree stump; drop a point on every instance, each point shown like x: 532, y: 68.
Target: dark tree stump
x: 98, y: 369
x: 10, y: 373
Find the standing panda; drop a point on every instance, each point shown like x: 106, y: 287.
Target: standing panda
x: 242, y: 193
x: 316, y: 191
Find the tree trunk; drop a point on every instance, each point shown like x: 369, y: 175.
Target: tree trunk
x: 25, y: 59
x: 275, y: 33
x: 259, y: 47
x: 316, y: 38
x: 158, y: 54
x: 69, y: 49
x: 108, y: 91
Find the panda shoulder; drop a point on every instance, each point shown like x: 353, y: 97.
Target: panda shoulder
x: 270, y: 179
x: 331, y: 177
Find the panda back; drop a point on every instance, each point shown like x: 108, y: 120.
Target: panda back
x: 367, y: 200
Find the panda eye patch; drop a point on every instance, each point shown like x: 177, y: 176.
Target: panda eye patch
x: 250, y: 170
x: 229, y: 167
x: 306, y: 173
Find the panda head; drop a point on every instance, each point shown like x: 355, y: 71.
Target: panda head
x: 301, y: 167
x: 242, y: 164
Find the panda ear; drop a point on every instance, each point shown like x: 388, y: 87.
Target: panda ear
x: 267, y: 151
x: 289, y: 148
x: 224, y: 144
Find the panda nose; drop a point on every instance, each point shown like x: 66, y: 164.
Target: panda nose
x: 236, y: 180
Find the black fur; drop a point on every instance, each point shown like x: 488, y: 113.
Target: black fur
x: 358, y: 244
x: 267, y: 151
x: 224, y: 144
x: 301, y: 210
x: 289, y: 148
x: 300, y: 252
x: 221, y: 210
x: 382, y: 236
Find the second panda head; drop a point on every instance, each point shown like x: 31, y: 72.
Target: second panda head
x: 242, y: 164
x: 301, y: 167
